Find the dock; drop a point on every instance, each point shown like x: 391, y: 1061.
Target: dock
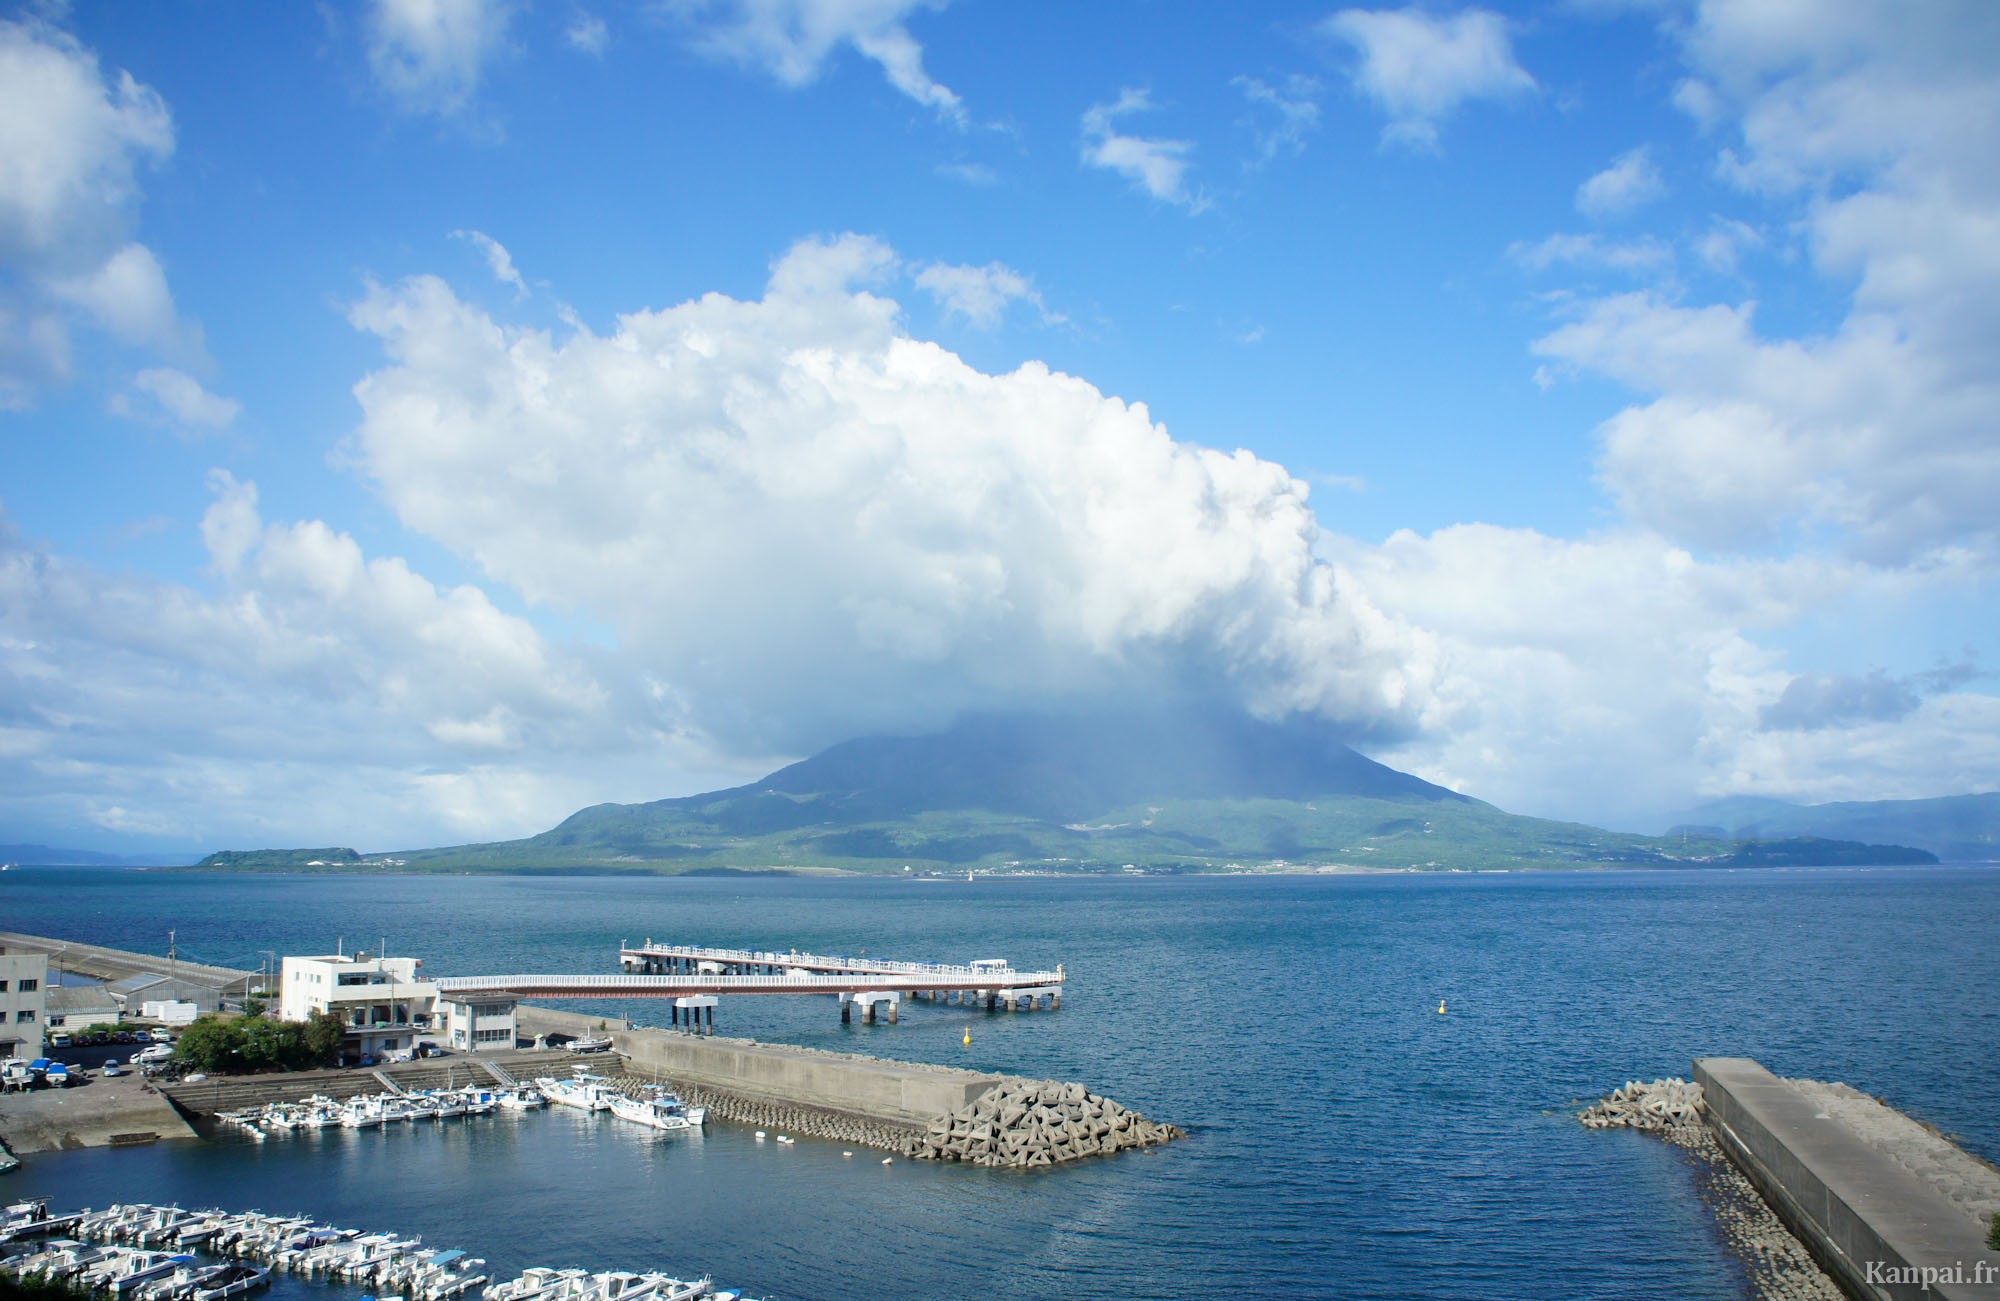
x: 696, y: 976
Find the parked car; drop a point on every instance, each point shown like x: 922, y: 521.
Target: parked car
x: 141, y: 1037
x: 156, y: 1053
x: 59, y: 1039
x: 113, y: 1069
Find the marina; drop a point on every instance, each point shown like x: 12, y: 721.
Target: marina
x: 164, y: 1253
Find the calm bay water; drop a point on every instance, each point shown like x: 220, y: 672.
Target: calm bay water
x: 1346, y: 1140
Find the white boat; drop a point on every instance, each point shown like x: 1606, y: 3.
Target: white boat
x: 584, y: 1093
x: 658, y: 1109
x: 363, y: 1111
x: 229, y: 1280
x: 589, y: 1044
x: 522, y: 1098
x: 127, y: 1271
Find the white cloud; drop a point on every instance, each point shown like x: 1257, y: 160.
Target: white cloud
x: 1872, y: 127
x: 1630, y: 183
x: 979, y: 174
x: 1159, y: 167
x: 1295, y: 103
x: 792, y: 40
x: 1614, y: 678
x: 128, y: 297
x: 1722, y: 246
x: 498, y: 260
x: 69, y: 142
x: 313, y: 695
x: 1636, y: 256
x: 72, y: 142
x: 1420, y: 67
x: 979, y: 294
x: 587, y: 32
x: 177, y: 398
x: 429, y: 55
x: 809, y: 525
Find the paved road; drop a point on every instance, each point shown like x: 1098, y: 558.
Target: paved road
x: 111, y: 965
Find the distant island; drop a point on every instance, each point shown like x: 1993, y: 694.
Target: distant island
x: 1961, y: 827
x: 1187, y: 791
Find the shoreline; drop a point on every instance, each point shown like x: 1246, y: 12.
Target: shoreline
x: 946, y: 877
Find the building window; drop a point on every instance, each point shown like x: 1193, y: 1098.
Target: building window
x: 25, y: 1014
x: 29, y: 986
x: 493, y: 1036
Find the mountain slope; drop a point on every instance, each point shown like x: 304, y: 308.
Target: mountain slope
x: 1956, y: 827
x: 1184, y: 791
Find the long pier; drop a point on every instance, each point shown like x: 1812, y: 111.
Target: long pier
x: 696, y: 976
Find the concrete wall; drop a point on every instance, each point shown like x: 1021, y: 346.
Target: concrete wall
x: 897, y: 1092
x: 1872, y: 1224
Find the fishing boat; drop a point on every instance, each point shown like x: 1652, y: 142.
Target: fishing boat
x: 522, y: 1097
x: 658, y: 1109
x: 585, y: 1092
x: 589, y: 1044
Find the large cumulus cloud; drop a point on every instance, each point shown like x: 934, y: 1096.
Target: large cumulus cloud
x: 809, y: 524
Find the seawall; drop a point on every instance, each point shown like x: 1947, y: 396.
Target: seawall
x: 932, y: 1113
x: 1881, y: 1229
x: 906, y: 1095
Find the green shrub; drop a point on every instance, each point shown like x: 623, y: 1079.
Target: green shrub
x: 38, y: 1289
x: 257, y: 1043
x: 1993, y: 1233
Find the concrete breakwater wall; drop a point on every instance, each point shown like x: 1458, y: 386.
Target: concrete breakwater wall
x: 911, y: 1108
x: 1892, y: 1215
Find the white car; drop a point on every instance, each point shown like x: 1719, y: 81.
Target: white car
x: 157, y: 1053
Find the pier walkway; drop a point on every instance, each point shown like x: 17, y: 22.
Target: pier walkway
x: 695, y: 978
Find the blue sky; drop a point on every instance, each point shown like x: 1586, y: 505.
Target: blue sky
x: 424, y: 417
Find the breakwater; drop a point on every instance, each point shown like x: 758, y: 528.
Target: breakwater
x: 1779, y: 1266
x: 1024, y: 1123
x: 1821, y: 1190
x: 910, y: 1108
x: 1894, y: 1211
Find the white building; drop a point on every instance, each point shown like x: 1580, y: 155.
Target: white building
x: 380, y: 1002
x: 24, y: 980
x: 478, y: 1024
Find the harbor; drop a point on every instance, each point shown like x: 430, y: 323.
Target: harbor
x: 1345, y: 1139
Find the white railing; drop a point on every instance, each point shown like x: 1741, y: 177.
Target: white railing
x: 873, y: 966
x: 611, y: 986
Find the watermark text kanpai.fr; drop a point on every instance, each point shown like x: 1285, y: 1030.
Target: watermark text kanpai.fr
x: 1929, y: 1276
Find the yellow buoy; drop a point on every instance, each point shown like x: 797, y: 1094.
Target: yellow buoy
x: 968, y: 1036
x: 1440, y: 1007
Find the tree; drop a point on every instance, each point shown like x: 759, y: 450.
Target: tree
x: 322, y: 1039
x: 253, y: 1006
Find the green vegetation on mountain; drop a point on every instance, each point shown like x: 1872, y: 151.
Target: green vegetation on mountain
x: 1955, y: 827
x: 268, y: 860
x: 1182, y: 792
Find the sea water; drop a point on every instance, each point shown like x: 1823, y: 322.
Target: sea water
x: 1345, y: 1139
